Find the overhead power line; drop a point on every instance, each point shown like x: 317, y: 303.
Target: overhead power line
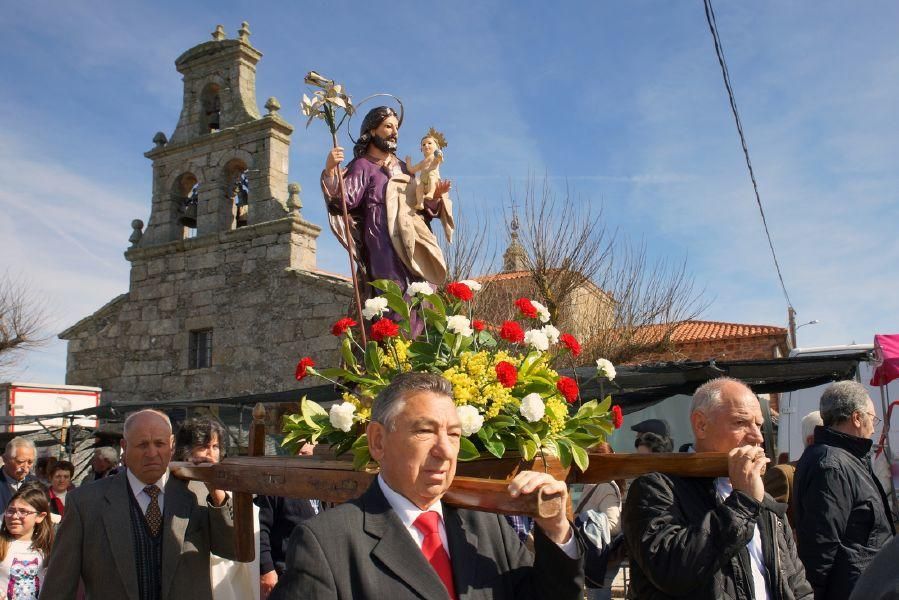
x: 713, y: 28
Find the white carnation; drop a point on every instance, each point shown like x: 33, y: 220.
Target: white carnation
x: 542, y: 311
x: 532, y: 408
x: 374, y: 307
x: 470, y: 419
x: 473, y: 285
x: 536, y: 339
x: 604, y: 368
x: 419, y: 287
x: 551, y: 333
x: 459, y: 324
x: 341, y: 416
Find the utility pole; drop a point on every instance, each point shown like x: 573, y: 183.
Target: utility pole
x: 791, y: 314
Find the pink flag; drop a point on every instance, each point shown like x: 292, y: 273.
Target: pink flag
x: 886, y: 356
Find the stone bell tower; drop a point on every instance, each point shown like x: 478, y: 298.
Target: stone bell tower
x: 224, y: 294
x: 225, y: 165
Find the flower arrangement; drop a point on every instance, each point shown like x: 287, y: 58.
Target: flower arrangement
x: 508, y: 397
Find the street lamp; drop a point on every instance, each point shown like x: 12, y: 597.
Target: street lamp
x: 812, y: 322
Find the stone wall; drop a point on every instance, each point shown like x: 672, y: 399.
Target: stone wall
x: 244, y: 284
x: 760, y: 347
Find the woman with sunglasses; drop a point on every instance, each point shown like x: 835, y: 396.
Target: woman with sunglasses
x: 26, y: 536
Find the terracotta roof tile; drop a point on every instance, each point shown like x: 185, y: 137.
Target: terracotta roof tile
x: 703, y: 331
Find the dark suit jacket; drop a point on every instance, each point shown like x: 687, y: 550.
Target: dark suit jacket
x: 94, y: 544
x: 360, y: 550
x: 6, y: 492
x: 779, y: 483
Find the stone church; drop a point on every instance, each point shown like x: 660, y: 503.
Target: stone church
x: 224, y: 294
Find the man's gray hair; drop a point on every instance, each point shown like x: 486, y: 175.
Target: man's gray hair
x: 708, y: 396
x: 108, y: 453
x: 18, y: 442
x: 129, y: 422
x: 392, y: 399
x: 809, y: 422
x: 841, y: 399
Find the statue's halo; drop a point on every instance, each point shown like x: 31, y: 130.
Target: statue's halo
x: 363, y: 101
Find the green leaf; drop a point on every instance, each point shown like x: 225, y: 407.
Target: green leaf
x: 387, y: 286
x: 494, y: 446
x: 437, y: 303
x: 398, y: 305
x: 310, y: 411
x: 436, y: 320
x: 527, y: 448
x: 467, y: 450
x: 580, y: 457
x: 361, y: 458
x: 346, y: 351
x: 372, y: 360
x: 500, y: 421
x: 564, y: 453
x: 605, y: 405
x: 486, y: 340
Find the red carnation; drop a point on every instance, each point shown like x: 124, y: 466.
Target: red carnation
x: 568, y: 388
x: 526, y: 308
x: 383, y: 329
x: 304, y: 364
x: 571, y: 343
x: 617, y: 417
x: 340, y: 327
x: 478, y: 325
x: 506, y: 373
x: 512, y: 332
x: 460, y: 291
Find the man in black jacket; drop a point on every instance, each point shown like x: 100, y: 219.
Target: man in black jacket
x: 699, y: 537
x: 842, y: 513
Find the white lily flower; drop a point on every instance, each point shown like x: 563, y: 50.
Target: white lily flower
x: 552, y: 334
x: 459, y: 324
x: 341, y: 416
x: 537, y: 340
x: 605, y: 368
x: 419, y: 287
x: 542, y: 311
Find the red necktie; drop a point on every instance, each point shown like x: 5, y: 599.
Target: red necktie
x: 432, y: 547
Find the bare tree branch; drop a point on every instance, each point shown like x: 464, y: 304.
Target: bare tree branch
x: 22, y: 319
x: 473, y: 251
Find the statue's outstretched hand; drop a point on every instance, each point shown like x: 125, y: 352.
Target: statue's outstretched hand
x: 443, y: 186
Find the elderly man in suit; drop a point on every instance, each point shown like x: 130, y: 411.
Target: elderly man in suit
x: 399, y: 541
x: 141, y: 534
x: 17, y: 462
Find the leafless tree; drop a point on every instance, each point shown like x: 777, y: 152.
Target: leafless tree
x: 598, y: 285
x: 22, y: 320
x: 473, y: 250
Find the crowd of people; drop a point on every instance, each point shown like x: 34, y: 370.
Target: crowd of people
x: 820, y: 528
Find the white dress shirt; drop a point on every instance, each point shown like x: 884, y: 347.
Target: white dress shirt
x: 408, y: 513
x: 724, y: 488
x: 143, y: 498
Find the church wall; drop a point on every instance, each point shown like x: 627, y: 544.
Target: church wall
x: 263, y: 317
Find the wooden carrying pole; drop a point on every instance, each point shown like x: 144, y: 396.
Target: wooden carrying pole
x: 244, y: 535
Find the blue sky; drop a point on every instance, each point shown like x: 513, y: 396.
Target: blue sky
x: 620, y: 102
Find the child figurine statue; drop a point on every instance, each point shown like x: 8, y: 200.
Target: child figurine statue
x: 432, y: 145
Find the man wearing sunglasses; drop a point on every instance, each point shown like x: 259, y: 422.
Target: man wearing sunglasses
x: 842, y: 513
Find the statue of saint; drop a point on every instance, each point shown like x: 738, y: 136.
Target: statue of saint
x: 432, y: 145
x: 390, y: 228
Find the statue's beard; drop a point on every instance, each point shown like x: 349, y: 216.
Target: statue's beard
x: 384, y: 144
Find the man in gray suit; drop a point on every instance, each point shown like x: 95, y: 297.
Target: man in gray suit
x: 17, y: 463
x: 141, y: 534
x: 399, y: 541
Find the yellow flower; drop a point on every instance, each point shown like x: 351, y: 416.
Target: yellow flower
x: 555, y: 406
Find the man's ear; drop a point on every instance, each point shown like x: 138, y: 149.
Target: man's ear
x: 699, y: 422
x: 123, y: 444
x: 376, y: 433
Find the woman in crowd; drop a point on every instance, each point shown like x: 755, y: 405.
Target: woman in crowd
x: 60, y: 481
x: 204, y: 439
x: 26, y: 537
x: 599, y: 524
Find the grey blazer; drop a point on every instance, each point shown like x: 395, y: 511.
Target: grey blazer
x: 360, y: 550
x: 94, y: 544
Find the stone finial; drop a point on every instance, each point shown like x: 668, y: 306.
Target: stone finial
x: 137, y: 227
x: 259, y: 413
x: 219, y: 33
x: 243, y: 34
x: 272, y: 105
x: 160, y: 140
x: 294, y: 204
x: 515, y: 258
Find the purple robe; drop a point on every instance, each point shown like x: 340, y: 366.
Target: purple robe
x: 365, y: 183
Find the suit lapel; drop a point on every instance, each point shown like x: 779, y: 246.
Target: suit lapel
x: 179, y: 502
x: 117, y: 521
x: 463, y: 548
x: 395, y: 548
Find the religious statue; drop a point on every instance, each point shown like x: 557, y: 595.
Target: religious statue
x: 432, y: 145
x: 390, y: 229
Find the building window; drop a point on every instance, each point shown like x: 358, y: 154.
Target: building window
x: 200, y: 349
